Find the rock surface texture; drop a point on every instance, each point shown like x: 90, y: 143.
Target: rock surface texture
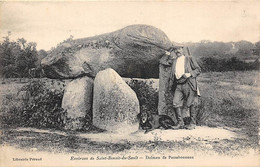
x: 165, y: 95
x: 133, y: 51
x: 115, y: 105
x: 77, y: 100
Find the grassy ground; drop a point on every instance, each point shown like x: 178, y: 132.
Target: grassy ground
x: 229, y: 100
x: 232, y: 99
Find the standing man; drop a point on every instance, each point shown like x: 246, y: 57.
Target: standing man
x: 183, y: 83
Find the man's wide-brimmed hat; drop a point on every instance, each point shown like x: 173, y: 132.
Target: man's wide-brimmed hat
x: 177, y: 45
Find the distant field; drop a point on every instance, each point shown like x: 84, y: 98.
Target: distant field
x: 229, y: 100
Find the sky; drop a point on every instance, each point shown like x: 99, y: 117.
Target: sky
x: 49, y: 23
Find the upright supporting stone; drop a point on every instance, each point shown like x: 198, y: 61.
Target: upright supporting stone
x: 165, y: 95
x: 77, y: 100
x: 115, y: 104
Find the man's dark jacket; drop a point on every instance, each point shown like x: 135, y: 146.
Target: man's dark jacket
x: 192, y: 67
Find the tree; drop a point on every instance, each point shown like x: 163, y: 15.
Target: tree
x: 256, y: 49
x: 17, y: 57
x: 244, y: 48
x: 27, y: 57
x: 7, y: 57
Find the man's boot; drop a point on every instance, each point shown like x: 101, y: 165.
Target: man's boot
x: 180, y: 123
x: 193, y: 114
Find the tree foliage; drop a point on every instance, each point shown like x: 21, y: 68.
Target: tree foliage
x: 241, y: 49
x: 228, y: 64
x: 18, y: 57
x: 231, y: 56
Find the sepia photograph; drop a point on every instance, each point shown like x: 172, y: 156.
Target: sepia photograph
x: 129, y: 83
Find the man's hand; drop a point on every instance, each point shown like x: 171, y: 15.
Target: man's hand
x: 186, y: 75
x: 169, y: 55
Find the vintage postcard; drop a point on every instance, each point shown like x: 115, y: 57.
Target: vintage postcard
x: 129, y: 83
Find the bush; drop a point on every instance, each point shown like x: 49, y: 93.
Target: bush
x: 146, y: 94
x: 44, y: 107
x: 223, y: 64
x: 203, y: 111
x: 41, y: 110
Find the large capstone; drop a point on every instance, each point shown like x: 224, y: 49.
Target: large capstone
x: 115, y: 104
x: 133, y: 51
x: 77, y: 101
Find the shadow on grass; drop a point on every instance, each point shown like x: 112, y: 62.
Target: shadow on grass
x: 68, y: 143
